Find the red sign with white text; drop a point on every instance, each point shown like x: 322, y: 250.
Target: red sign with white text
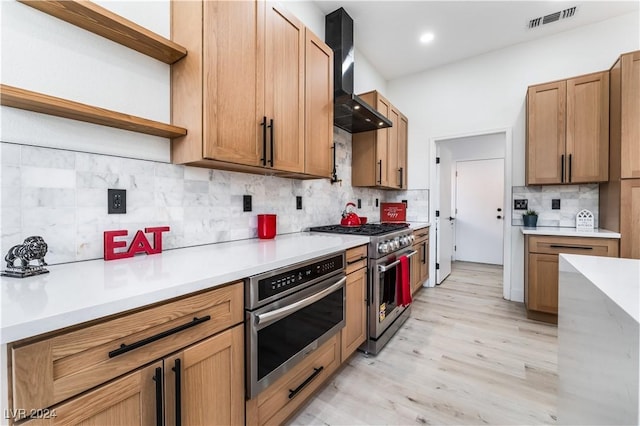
x: 393, y: 212
x: 140, y: 244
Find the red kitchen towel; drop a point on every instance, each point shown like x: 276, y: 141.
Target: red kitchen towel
x: 403, y: 283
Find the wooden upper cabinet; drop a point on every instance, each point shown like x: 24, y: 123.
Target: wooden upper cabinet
x: 318, y: 107
x: 630, y: 218
x: 380, y: 156
x: 284, y: 44
x: 588, y: 129
x: 630, y: 114
x: 403, y: 148
x: 241, y: 90
x: 568, y: 131
x: 546, y: 133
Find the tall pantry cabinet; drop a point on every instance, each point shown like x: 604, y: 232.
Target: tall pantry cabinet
x: 255, y: 91
x: 620, y: 197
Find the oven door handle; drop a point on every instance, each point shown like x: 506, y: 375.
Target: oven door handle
x: 385, y: 268
x: 277, y: 314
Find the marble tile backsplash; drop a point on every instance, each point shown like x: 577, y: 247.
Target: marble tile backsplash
x: 573, y: 198
x: 62, y: 196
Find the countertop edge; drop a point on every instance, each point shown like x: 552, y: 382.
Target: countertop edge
x: 569, y: 232
x: 37, y: 326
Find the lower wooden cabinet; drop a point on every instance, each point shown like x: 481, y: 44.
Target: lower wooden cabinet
x: 420, y: 261
x: 137, y: 367
x: 203, y: 384
x: 541, y: 269
x: 355, y: 328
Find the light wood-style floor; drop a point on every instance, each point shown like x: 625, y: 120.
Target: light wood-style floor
x: 466, y: 356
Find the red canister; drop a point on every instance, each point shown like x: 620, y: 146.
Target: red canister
x: 266, y: 226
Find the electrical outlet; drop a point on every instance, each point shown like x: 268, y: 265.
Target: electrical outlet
x: 359, y: 203
x: 116, y: 201
x: 555, y: 204
x: 298, y: 202
x: 521, y: 204
x: 246, y: 203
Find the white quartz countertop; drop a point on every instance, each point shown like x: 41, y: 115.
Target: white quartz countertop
x: 82, y: 291
x: 617, y: 278
x: 569, y: 232
x: 418, y: 225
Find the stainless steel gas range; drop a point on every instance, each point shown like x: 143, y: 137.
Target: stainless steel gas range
x: 388, y: 242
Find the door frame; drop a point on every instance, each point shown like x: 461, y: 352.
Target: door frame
x: 434, y: 195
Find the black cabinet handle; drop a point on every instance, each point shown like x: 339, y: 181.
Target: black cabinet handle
x: 334, y: 172
x: 178, y: 383
x: 559, y: 246
x: 380, y: 166
x: 562, y: 168
x: 271, y: 134
x: 157, y: 377
x: 570, y: 155
x: 264, y: 141
x: 356, y: 261
x: 126, y: 348
x: 422, y: 235
x: 424, y: 253
x: 294, y: 392
x: 401, y: 170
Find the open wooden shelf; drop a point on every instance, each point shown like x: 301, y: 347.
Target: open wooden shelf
x: 45, y: 104
x: 98, y: 20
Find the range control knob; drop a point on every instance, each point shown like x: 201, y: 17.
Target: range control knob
x: 383, y: 247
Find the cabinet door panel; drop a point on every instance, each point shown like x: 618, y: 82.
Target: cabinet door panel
x: 318, y: 107
x: 543, y: 283
x: 284, y: 88
x: 232, y: 109
x: 588, y: 128
x: 354, y: 331
x: 212, y: 383
x: 392, y: 149
x: 630, y: 218
x: 127, y: 401
x: 545, y: 133
x: 403, y: 144
x: 382, y: 145
x: 630, y: 109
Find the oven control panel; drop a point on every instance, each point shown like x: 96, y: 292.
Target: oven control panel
x: 285, y: 281
x: 393, y: 244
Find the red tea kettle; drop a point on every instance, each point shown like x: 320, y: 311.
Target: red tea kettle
x: 349, y: 218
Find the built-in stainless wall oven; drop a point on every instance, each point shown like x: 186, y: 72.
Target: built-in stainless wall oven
x: 290, y: 312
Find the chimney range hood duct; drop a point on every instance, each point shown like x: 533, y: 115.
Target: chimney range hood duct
x: 351, y: 113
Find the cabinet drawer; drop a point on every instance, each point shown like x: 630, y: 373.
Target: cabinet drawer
x: 420, y: 235
x: 356, y: 258
x: 574, y: 245
x: 52, y: 369
x: 276, y: 403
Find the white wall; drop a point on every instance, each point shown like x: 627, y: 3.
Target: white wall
x: 365, y: 76
x: 488, y: 91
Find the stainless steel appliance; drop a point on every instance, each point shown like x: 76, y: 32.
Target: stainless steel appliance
x: 289, y: 312
x: 388, y: 242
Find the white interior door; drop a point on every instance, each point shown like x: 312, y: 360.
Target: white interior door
x: 444, y: 226
x: 480, y: 211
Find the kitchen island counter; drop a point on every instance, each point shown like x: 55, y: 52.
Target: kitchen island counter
x: 77, y: 292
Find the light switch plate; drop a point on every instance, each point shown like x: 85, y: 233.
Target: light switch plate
x: 522, y: 204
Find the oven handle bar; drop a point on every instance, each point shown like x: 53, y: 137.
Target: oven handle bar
x: 385, y: 268
x: 272, y: 316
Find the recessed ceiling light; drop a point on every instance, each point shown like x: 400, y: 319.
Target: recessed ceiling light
x: 381, y: 124
x: 356, y: 107
x: 426, y: 38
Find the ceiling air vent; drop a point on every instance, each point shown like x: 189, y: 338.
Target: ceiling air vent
x: 552, y: 17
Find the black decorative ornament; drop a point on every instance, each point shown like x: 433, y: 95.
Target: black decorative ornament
x: 33, y: 248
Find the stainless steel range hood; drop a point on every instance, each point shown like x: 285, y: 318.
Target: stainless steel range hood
x: 350, y: 112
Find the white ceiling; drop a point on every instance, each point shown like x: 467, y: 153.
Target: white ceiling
x: 387, y: 32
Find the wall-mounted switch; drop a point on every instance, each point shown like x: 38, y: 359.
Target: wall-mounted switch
x: 298, y: 202
x: 521, y: 204
x: 359, y: 203
x: 246, y: 203
x: 377, y: 202
x: 116, y: 201
x: 555, y: 204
